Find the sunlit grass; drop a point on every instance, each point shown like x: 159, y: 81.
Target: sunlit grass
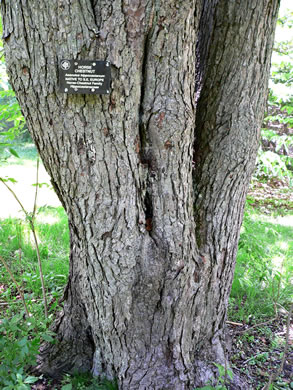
x: 23, y: 170
x: 264, y: 269
x: 16, y: 242
x: 19, y: 251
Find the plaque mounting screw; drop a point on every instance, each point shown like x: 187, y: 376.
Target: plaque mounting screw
x: 107, y: 63
x: 93, y: 89
x: 66, y: 90
x: 94, y: 64
x: 76, y: 63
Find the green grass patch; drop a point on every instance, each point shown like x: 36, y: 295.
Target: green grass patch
x: 20, y: 336
x: 19, y: 252
x: 263, y: 275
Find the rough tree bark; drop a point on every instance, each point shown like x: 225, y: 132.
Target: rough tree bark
x: 153, y: 177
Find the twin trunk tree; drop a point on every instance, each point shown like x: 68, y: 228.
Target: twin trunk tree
x: 153, y: 177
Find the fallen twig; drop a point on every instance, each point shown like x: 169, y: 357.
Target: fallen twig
x: 260, y: 324
x: 15, y: 303
x: 234, y: 323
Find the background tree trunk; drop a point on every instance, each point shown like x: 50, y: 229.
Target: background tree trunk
x: 154, y: 193
x: 234, y: 51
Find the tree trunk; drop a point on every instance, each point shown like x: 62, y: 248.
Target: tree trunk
x: 153, y: 176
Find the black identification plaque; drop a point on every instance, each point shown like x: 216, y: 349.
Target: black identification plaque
x: 84, y: 76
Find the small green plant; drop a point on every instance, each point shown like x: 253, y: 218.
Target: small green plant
x: 20, y: 339
x: 224, y: 373
x: 22, y: 332
x: 270, y: 164
x: 86, y: 381
x: 21, y: 382
x: 12, y: 124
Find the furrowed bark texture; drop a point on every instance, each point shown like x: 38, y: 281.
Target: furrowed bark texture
x: 153, y: 233
x: 234, y: 52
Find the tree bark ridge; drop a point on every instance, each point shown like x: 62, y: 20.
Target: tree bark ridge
x: 232, y: 87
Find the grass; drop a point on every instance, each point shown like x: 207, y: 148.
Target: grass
x: 20, y: 336
x: 23, y: 170
x: 264, y: 268
x: 20, y: 254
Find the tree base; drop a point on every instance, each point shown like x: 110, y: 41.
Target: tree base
x: 74, y: 352
x: 73, y: 349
